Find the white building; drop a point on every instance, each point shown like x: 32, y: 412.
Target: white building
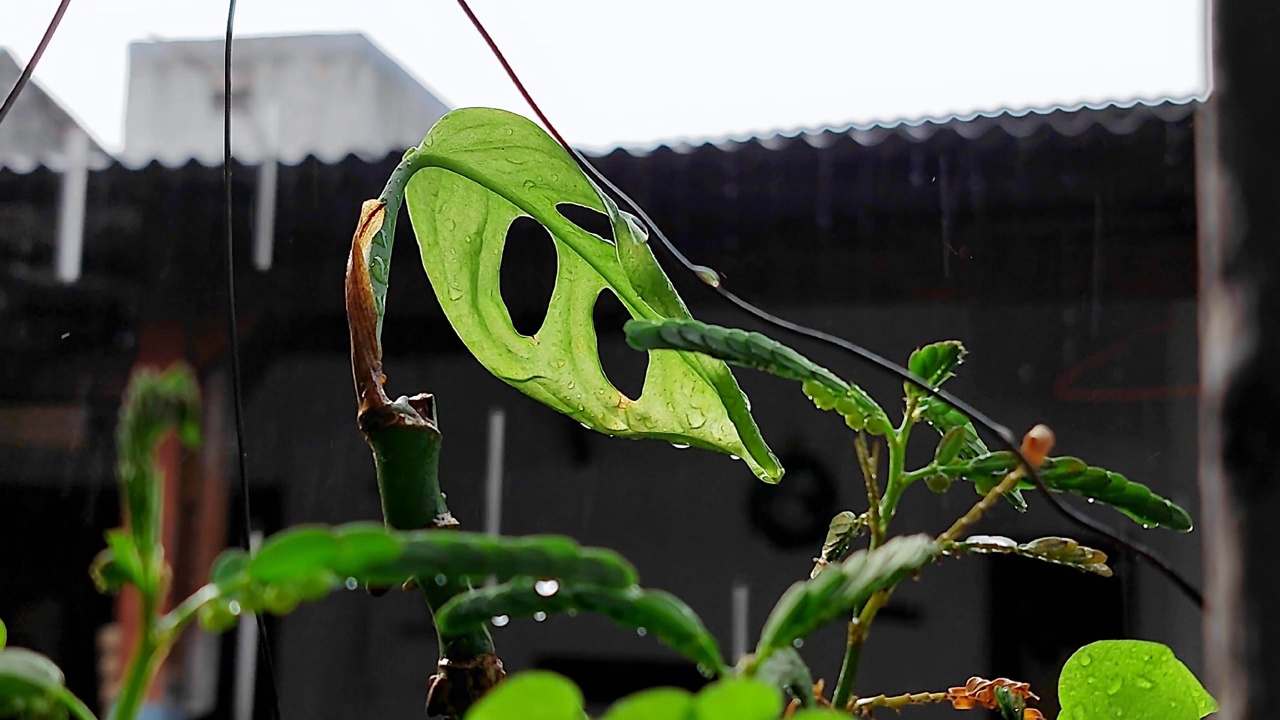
x: 294, y: 96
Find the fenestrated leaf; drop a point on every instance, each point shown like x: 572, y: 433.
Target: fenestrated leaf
x: 531, y: 695
x: 477, y: 171
x: 1132, y: 679
x: 307, y: 562
x: 1069, y: 474
x: 754, y: 350
x: 935, y: 364
x: 841, y: 587
x: 654, y: 612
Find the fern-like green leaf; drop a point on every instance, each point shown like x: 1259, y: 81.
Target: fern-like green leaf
x: 653, y: 612
x: 760, y: 352
x: 840, y: 588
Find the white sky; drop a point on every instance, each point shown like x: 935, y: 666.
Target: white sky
x: 634, y: 72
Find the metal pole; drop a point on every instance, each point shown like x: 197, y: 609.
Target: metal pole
x: 1238, y: 178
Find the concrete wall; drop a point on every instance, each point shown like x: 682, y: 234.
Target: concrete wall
x: 681, y: 515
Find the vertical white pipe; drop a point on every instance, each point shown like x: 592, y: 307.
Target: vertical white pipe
x: 493, y: 472
x: 247, y: 654
x: 75, y: 182
x: 493, y: 475
x: 741, y: 600
x: 264, y: 216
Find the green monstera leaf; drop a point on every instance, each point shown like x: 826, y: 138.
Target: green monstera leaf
x: 477, y: 171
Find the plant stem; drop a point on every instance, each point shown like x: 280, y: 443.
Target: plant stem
x: 857, y: 637
x: 869, y: 467
x: 894, y: 485
x: 981, y: 507
x: 75, y: 706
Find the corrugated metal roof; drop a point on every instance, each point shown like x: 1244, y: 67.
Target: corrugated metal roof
x: 1117, y: 117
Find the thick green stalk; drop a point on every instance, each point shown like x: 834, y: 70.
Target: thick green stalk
x: 859, y: 626
x: 405, y: 441
x: 406, y: 452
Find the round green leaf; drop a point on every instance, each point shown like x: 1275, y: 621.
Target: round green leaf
x: 533, y: 695
x: 1133, y: 679
x: 655, y: 704
x: 738, y: 699
x: 29, y: 681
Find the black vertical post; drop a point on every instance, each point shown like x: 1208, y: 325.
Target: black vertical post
x: 1239, y: 203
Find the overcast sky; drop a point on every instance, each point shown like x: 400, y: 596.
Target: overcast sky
x: 634, y: 72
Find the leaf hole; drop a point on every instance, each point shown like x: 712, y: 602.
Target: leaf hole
x: 528, y: 274
x: 623, y: 366
x: 593, y: 221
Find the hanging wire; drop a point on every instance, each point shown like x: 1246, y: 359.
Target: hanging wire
x: 25, y: 77
x: 715, y: 281
x: 233, y: 330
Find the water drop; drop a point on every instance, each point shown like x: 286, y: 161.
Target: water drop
x: 441, y: 579
x: 539, y: 616
x: 704, y: 671
x: 468, y: 239
x: 555, y: 177
x: 455, y: 291
x: 572, y: 384
x: 352, y: 583
x: 696, y: 418
x: 641, y: 631
x: 546, y: 588
x: 734, y: 457
x: 233, y: 607
x: 581, y: 408
x: 1085, y: 659
x: 529, y: 184
x: 1144, y: 683
x: 1091, y: 501
x: 585, y: 426
x: 450, y: 224
x: 707, y: 275
x: 797, y: 643
x: 500, y: 620
x: 558, y: 363
x: 509, y: 131
x: 680, y: 446
x: 1114, y: 687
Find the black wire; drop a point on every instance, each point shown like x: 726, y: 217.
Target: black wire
x: 713, y: 279
x: 233, y: 330
x: 25, y: 77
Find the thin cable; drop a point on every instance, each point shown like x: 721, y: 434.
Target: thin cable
x: 25, y: 77
x: 233, y: 330
x: 714, y: 280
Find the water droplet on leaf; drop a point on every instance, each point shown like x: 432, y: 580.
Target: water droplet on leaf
x: 797, y: 643
x: 680, y: 446
x: 1114, y: 687
x: 352, y: 583
x: 441, y: 579
x: 539, y: 616
x: 546, y: 588
x: 641, y: 631
x: 233, y: 607
x: 500, y: 620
